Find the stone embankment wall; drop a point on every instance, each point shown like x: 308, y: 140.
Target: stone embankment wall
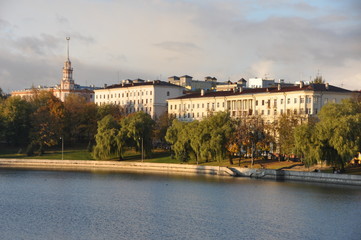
x: 114, y: 166
x: 181, y: 169
x: 298, y: 176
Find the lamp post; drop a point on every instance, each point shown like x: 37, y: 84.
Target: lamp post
x: 62, y: 148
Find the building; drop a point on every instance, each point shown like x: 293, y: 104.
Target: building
x: 228, y: 86
x: 193, y: 85
x: 304, y: 100
x: 139, y: 95
x: 67, y: 85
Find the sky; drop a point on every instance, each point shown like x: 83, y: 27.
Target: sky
x: 111, y: 40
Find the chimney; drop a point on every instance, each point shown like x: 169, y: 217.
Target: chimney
x: 279, y: 87
x: 327, y: 86
x: 301, y: 84
x: 202, y: 92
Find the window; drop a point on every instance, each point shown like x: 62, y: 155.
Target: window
x: 175, y: 107
x: 275, y: 103
x: 256, y: 102
x: 281, y: 100
x: 302, y: 100
x: 262, y: 113
x: 202, y: 105
x: 150, y: 93
x: 198, y: 105
x: 275, y: 112
x: 295, y: 100
x: 262, y: 102
x: 197, y: 114
x: 168, y: 93
x: 268, y: 112
x: 171, y: 107
x: 288, y: 100
x: 281, y: 112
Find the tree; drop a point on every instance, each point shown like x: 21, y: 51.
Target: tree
x: 80, y: 122
x: 160, y: 129
x: 285, y: 137
x: 307, y: 145
x: 115, y: 110
x: 47, y: 120
x: 107, y: 140
x: 15, y: 120
x: 336, y: 138
x: 138, y: 128
x: 339, y: 131
x: 177, y: 135
x: 318, y: 79
x: 252, y: 136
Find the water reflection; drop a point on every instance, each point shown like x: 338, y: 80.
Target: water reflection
x: 106, y: 205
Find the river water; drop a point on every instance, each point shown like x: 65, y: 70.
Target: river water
x: 103, y: 205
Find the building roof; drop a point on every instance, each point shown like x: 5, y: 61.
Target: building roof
x: 137, y: 84
x: 311, y: 87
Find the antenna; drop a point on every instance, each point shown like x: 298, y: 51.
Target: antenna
x: 68, y: 38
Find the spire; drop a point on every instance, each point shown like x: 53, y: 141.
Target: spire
x: 67, y: 82
x: 68, y: 38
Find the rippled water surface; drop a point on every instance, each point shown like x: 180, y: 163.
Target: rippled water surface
x: 88, y: 205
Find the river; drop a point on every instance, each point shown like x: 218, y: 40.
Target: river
x: 104, y: 205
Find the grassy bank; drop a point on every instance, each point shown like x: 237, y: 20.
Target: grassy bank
x: 159, y: 156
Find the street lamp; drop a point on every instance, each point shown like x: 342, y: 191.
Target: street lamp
x: 62, y: 148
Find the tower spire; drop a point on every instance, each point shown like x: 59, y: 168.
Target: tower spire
x: 68, y: 38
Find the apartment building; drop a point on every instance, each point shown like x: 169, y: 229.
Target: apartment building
x: 139, y: 95
x: 304, y: 100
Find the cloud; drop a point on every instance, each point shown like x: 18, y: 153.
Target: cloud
x: 180, y: 47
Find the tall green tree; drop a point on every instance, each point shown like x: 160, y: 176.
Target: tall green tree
x: 108, y: 145
x: 139, y: 127
x: 339, y: 131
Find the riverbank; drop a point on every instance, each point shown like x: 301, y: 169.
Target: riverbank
x: 281, y: 175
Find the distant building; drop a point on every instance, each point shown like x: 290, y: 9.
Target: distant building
x: 67, y: 85
x: 271, y: 102
x: 139, y: 95
x: 228, y: 86
x: 193, y: 85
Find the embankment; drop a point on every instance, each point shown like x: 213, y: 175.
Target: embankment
x: 285, y: 175
x: 282, y: 175
x: 114, y: 166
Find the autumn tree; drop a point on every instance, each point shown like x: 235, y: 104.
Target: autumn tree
x: 80, y: 122
x: 47, y: 121
x: 15, y: 120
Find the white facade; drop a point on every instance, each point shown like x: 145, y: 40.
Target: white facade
x: 149, y: 97
x: 270, y: 103
x: 260, y: 83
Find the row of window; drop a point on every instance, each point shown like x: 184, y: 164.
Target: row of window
x: 126, y: 94
x: 288, y: 111
x: 198, y: 105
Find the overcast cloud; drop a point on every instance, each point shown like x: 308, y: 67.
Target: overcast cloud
x: 152, y: 39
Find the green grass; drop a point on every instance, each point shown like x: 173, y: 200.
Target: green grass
x: 69, y: 154
x: 158, y: 156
